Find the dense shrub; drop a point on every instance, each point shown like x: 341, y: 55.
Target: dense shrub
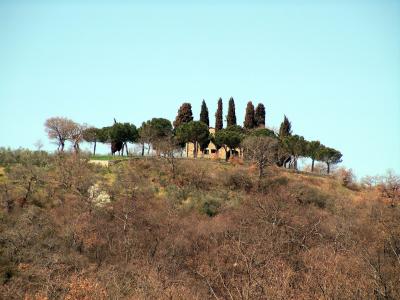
x: 210, y: 207
x: 197, y: 175
x: 268, y: 185
x: 309, y: 195
x: 23, y: 156
x: 176, y: 195
x: 192, y: 240
x: 346, y: 178
x: 238, y: 180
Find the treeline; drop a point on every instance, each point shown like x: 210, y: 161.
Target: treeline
x: 159, y: 134
x: 61, y: 130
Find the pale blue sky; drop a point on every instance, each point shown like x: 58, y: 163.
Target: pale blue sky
x: 333, y: 67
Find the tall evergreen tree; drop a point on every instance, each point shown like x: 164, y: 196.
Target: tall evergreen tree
x: 260, y: 115
x: 249, y: 119
x: 231, y: 117
x: 218, y: 116
x: 184, y: 115
x: 286, y: 128
x: 204, y: 113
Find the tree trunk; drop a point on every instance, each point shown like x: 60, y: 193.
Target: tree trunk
x: 142, y: 149
x: 329, y: 167
x: 94, y: 149
x: 26, y: 197
x: 195, y: 150
x: 9, y: 201
x: 76, y: 148
x: 286, y: 162
x: 173, y: 166
x: 312, y: 165
x: 148, y: 149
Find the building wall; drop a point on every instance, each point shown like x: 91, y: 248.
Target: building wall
x: 210, y: 152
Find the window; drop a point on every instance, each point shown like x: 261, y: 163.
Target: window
x: 213, y: 150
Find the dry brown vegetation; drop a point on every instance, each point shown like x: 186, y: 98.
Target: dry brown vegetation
x: 215, y: 231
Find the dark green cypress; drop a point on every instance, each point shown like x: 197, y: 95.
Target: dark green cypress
x: 204, y: 113
x: 249, y: 120
x: 218, y: 116
x: 231, y: 117
x: 286, y: 128
x: 260, y: 115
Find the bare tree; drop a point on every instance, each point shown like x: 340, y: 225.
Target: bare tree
x: 59, y: 129
x: 369, y: 181
x: 390, y: 186
x: 168, y: 147
x: 262, y: 150
x: 76, y: 135
x: 39, y: 145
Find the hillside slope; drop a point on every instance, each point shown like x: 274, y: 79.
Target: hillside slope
x: 74, y: 230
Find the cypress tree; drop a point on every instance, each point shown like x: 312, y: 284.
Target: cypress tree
x: 218, y: 116
x: 260, y: 115
x: 231, y: 117
x: 249, y: 120
x: 204, y: 113
x: 286, y: 128
x: 184, y: 115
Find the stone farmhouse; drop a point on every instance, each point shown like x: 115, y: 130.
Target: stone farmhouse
x: 211, y: 151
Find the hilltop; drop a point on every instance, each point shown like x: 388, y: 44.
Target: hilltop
x: 75, y: 230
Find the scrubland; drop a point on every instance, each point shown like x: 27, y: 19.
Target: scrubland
x: 74, y: 230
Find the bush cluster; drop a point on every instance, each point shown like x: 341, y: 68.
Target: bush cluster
x: 238, y: 180
x: 281, y: 237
